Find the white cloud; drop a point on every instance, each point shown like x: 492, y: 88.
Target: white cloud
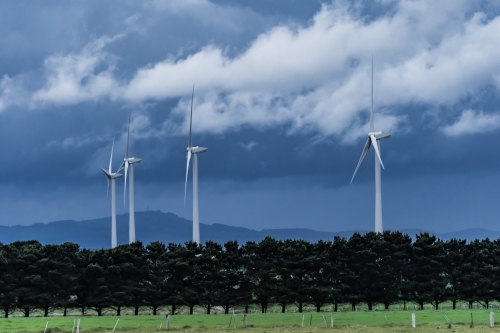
x: 317, y: 77
x: 313, y: 78
x: 471, y: 122
x: 73, y: 78
x: 12, y: 91
x: 249, y: 145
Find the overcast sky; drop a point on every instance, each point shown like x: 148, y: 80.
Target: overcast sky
x: 282, y: 100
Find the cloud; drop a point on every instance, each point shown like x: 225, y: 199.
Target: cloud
x: 207, y: 12
x: 12, y: 91
x: 317, y: 77
x: 471, y: 122
x: 311, y: 78
x: 76, y: 78
x: 249, y: 145
x: 77, y: 142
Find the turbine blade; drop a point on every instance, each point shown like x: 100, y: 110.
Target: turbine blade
x: 121, y: 166
x: 187, y: 172
x: 128, y: 134
x: 111, y: 158
x: 375, y: 146
x: 371, y: 111
x: 363, y: 154
x: 191, y: 122
x: 125, y: 187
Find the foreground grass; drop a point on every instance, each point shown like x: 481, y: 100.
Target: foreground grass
x: 362, y: 321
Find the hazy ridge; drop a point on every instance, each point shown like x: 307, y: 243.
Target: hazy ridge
x: 169, y: 228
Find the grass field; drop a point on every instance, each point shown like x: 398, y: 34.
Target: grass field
x: 361, y: 321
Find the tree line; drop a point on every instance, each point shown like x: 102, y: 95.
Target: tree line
x: 372, y: 268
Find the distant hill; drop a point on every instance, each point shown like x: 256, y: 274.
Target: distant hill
x: 169, y: 228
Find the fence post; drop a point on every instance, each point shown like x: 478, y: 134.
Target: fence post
x: 331, y: 320
x: 324, y: 320
x: 245, y: 320
x: 413, y: 321
x: 492, y: 319
x: 167, y: 324
x: 302, y: 320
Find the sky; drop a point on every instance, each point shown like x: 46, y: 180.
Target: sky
x: 281, y: 100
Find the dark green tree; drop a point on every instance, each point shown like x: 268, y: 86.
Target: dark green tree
x: 58, y: 276
x: 28, y: 287
x: 130, y: 261
x: 261, y: 270
x: 481, y: 268
x: 233, y: 289
x: 210, y: 274
x: 430, y: 284
x: 320, y: 289
x: 364, y: 269
x: 339, y: 275
x: 456, y: 255
x: 177, y: 273
x: 156, y: 289
x: 93, y: 290
x: 297, y: 263
x: 8, y: 278
x: 394, y: 252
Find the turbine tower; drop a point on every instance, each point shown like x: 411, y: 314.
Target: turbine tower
x: 111, y: 180
x: 129, y: 162
x: 193, y: 151
x: 374, y: 140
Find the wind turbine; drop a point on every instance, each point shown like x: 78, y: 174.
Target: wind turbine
x: 193, y: 151
x: 129, y: 162
x: 111, y: 180
x: 374, y: 140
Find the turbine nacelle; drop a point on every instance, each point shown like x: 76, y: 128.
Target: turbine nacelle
x: 379, y: 135
x: 130, y: 160
x: 196, y: 150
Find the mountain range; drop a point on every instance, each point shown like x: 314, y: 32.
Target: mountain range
x: 170, y: 228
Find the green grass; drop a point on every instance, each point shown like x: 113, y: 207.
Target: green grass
x: 360, y: 321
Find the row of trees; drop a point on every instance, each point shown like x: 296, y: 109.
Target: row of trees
x: 372, y: 268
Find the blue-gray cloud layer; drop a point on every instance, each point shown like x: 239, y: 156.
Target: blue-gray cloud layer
x: 281, y: 99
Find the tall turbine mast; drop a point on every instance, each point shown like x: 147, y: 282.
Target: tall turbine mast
x: 190, y: 150
x: 111, y: 181
x: 128, y: 162
x: 374, y: 140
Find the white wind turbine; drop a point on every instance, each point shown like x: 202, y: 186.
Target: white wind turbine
x: 193, y: 151
x: 111, y: 180
x: 374, y: 140
x: 129, y: 162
